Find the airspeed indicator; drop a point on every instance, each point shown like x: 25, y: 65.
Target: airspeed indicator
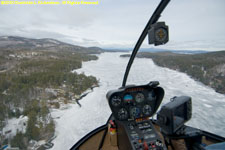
x: 116, y: 101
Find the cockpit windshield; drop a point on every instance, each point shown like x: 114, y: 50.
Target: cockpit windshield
x: 58, y: 62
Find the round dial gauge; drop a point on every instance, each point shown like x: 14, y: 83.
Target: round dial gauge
x: 151, y: 96
x: 161, y: 34
x: 122, y: 114
x: 140, y: 97
x: 135, y: 112
x: 147, y: 110
x: 116, y: 100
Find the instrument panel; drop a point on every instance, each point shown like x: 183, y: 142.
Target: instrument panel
x: 134, y: 102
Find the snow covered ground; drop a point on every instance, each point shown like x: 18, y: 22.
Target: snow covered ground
x: 73, y: 123
x: 15, y: 125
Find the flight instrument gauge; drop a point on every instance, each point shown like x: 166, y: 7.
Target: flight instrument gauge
x: 151, y: 96
x: 140, y: 97
x: 158, y: 34
x: 116, y: 101
x: 122, y: 114
x: 135, y: 112
x: 161, y: 34
x: 147, y: 110
x: 128, y: 99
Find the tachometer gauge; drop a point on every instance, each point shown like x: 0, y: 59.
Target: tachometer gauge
x: 140, y: 97
x: 122, y: 114
x: 135, y: 112
x: 116, y: 101
x: 147, y: 110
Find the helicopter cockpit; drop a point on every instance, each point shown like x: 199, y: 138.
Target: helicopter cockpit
x: 131, y: 107
x: 132, y: 126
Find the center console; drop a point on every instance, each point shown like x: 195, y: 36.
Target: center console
x: 138, y: 135
x: 132, y: 106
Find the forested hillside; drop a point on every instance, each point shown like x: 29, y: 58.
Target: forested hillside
x: 34, y: 81
x: 208, y: 68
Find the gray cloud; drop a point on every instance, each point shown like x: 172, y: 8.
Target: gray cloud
x: 115, y: 23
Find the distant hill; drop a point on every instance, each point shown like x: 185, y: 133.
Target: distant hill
x: 21, y: 43
x: 156, y: 50
x: 208, y: 68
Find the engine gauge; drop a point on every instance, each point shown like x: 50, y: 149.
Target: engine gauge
x: 147, y: 110
x: 140, y: 97
x: 122, y: 114
x: 135, y: 112
x: 116, y: 101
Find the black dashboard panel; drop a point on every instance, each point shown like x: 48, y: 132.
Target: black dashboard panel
x: 132, y: 102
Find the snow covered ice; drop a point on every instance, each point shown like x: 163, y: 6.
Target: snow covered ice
x: 73, y: 123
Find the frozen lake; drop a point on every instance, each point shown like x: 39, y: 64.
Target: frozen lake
x: 73, y: 123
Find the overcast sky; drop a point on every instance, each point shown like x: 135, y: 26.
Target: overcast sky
x: 193, y: 24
